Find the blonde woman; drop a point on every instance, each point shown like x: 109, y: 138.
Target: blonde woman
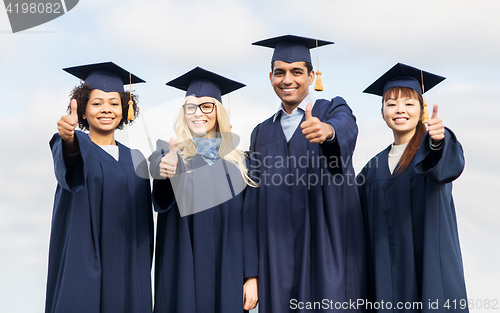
x: 206, y: 257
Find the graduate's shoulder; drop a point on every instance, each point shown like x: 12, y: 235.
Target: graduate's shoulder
x: 161, y: 148
x: 333, y: 105
x: 161, y: 144
x: 376, y: 161
x: 335, y: 101
x: 266, y: 122
x: 262, y: 125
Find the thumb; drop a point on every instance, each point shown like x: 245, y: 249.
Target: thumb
x: 172, y: 145
x: 434, y: 111
x: 308, y: 111
x: 74, y: 107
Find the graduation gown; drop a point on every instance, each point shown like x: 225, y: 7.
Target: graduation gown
x: 310, y: 228
x: 414, y: 252
x: 202, y: 259
x: 101, y: 242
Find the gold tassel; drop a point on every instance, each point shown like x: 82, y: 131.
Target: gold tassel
x: 130, y: 110
x: 319, y: 82
x: 130, y: 102
x: 425, y: 114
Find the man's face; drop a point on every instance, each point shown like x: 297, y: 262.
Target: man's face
x: 291, y: 82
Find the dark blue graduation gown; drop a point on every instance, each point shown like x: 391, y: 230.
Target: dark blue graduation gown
x: 414, y: 252
x: 311, y: 236
x: 202, y: 259
x: 101, y: 240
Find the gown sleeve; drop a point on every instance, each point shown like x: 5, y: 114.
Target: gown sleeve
x: 249, y: 226
x: 340, y: 117
x: 163, y: 195
x: 443, y: 165
x: 69, y: 169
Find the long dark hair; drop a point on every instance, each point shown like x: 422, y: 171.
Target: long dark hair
x: 420, y: 130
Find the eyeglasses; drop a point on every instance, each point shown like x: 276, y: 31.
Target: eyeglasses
x: 205, y: 107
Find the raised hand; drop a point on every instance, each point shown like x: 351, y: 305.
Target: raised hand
x: 435, y: 126
x: 66, y: 127
x: 315, y: 130
x: 168, y: 163
x: 67, y: 124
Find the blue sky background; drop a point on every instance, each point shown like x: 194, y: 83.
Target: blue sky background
x: 159, y: 40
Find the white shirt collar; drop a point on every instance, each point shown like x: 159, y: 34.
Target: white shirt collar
x: 308, y: 99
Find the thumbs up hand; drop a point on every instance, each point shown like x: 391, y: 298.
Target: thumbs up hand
x: 315, y: 130
x: 435, y: 126
x: 168, y: 163
x: 67, y: 124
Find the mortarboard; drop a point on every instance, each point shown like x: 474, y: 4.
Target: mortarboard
x: 106, y: 76
x: 402, y: 75
x: 202, y: 83
x: 290, y: 48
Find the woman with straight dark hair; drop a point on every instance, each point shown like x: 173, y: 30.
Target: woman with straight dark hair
x: 414, y: 258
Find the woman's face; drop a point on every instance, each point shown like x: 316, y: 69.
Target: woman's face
x: 203, y: 125
x: 401, y: 114
x: 104, y: 111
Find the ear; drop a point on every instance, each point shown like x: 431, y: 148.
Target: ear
x: 311, y: 77
x: 271, y: 77
x: 84, y: 116
x: 382, y: 112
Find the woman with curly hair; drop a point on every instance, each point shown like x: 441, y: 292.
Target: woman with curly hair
x: 206, y: 257
x: 414, y: 258
x: 101, y: 239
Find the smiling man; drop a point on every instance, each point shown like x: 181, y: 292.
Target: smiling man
x: 311, y: 238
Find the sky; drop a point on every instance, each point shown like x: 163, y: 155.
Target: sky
x: 160, y: 40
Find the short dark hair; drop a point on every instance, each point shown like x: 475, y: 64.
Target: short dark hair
x: 82, y: 94
x: 309, y: 67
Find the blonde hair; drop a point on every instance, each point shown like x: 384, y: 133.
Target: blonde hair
x: 186, y: 146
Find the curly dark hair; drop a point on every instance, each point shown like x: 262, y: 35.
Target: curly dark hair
x: 82, y: 93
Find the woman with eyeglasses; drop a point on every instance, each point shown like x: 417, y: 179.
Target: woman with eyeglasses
x: 206, y: 250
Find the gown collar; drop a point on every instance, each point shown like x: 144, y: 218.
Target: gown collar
x: 302, y: 106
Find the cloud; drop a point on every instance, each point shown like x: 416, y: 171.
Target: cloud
x: 159, y: 40
x: 27, y: 188
x: 432, y: 30
x: 181, y: 30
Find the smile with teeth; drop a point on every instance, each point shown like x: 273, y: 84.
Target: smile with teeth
x: 199, y: 122
x: 288, y: 90
x: 106, y: 119
x: 400, y: 119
